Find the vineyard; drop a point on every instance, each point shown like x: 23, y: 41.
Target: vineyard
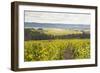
x: 56, y: 49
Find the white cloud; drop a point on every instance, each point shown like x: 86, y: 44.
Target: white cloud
x: 53, y: 17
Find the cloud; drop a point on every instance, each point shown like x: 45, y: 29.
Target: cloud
x: 57, y: 17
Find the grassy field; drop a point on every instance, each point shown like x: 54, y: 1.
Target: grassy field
x: 56, y: 49
x: 61, y: 31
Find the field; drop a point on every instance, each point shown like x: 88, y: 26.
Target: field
x: 56, y: 44
x: 57, y: 49
x: 60, y: 31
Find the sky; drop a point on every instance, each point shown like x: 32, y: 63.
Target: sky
x: 57, y: 17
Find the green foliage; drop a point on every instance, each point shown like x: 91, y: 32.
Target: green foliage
x: 46, y: 34
x: 43, y: 50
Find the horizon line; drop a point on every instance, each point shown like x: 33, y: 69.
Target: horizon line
x: 54, y: 23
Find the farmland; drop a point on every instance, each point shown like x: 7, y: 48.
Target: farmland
x: 56, y: 44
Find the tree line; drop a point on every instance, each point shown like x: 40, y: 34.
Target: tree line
x: 40, y: 35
